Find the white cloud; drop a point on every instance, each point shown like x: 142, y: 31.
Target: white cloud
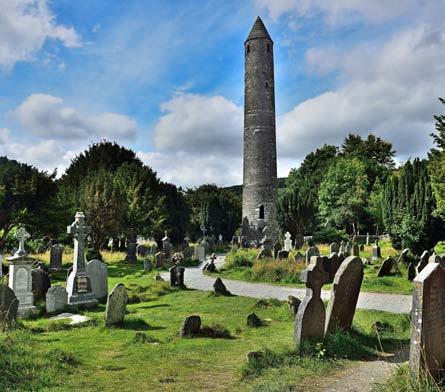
x: 391, y: 91
x: 46, y: 116
x: 200, y: 125
x: 25, y: 25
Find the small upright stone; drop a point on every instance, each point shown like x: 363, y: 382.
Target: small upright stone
x: 55, y: 257
x: 299, y: 258
x: 411, y: 271
x: 356, y: 250
x: 312, y: 251
x: 159, y: 259
x: 167, y: 246
x: 56, y: 299
x: 98, y: 274
x: 131, y: 253
x: 220, y: 288
x: 385, y: 268
x: 344, y: 295
x: 8, y: 305
x: 423, y: 261
x: 427, y: 351
x: 190, y: 327
x: 116, y: 305
x: 141, y: 250
x: 293, y: 303
x: 254, y: 321
x: 376, y: 252
x: 177, y: 276
x: 287, y: 242
x: 310, y: 319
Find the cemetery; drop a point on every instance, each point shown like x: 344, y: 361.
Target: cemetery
x: 114, y: 278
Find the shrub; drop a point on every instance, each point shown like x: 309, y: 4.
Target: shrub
x: 277, y: 271
x: 93, y: 254
x: 241, y: 258
x: 328, y: 235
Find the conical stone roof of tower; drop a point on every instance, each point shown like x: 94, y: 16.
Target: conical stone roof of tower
x: 258, y: 30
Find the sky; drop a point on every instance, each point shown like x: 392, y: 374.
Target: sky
x: 165, y: 78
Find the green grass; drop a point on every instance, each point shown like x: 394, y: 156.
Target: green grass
x: 146, y: 353
x: 243, y: 265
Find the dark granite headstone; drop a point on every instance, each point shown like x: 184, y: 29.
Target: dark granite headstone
x: 220, y: 288
x: 385, y: 268
x: 40, y: 283
x: 423, y: 261
x: 427, y: 351
x: 177, y: 276
x: 344, y: 295
x: 411, y: 271
x: 55, y: 257
x: 131, y: 252
x: 141, y: 250
x: 190, y: 327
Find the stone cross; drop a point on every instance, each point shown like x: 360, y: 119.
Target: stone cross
x: 22, y: 235
x: 79, y: 231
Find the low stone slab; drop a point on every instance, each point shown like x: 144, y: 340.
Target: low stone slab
x: 190, y: 327
x: 75, y: 318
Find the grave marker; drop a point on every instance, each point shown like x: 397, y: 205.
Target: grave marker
x: 116, y: 305
x: 98, y: 274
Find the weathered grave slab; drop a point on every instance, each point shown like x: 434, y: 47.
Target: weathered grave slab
x: 56, y: 299
x: 98, y: 274
x: 116, y: 305
x: 8, y: 305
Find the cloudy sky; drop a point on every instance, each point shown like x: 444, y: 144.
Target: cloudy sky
x: 166, y: 78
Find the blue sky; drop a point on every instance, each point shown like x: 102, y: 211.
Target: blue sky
x: 166, y: 79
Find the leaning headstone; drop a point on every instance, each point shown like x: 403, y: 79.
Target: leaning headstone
x: 177, y: 276
x: 312, y: 251
x: 310, y: 319
x: 427, y: 351
x: 78, y: 284
x: 220, y: 288
x: 403, y: 255
x: 40, y: 283
x: 411, y: 271
x: 200, y: 253
x: 385, y: 268
x: 190, y: 327
x: 131, y: 252
x: 423, y: 261
x: 116, y: 305
x: 293, y: 303
x: 344, y: 295
x: 98, y: 274
x: 287, y: 242
x: 55, y: 257
x: 20, y: 275
x: 56, y: 299
x: 210, y: 266
x: 334, y: 248
x: 8, y: 305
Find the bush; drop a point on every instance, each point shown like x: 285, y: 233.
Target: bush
x: 270, y: 270
x: 241, y: 258
x: 93, y: 254
x: 328, y: 235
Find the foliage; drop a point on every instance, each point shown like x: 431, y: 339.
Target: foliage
x: 328, y: 235
x: 437, y: 164
x: 218, y: 209
x: 342, y: 196
x: 295, y: 212
x: 407, y: 208
x: 241, y: 258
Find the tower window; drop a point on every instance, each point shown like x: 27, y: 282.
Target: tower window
x: 248, y: 48
x: 268, y: 47
x: 261, y: 216
x: 267, y: 85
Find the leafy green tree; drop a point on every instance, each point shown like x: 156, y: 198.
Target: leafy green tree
x: 295, y: 212
x: 25, y: 193
x: 437, y: 164
x: 375, y: 205
x: 342, y: 195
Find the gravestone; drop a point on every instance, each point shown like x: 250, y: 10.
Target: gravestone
x: 187, y: 253
x: 40, y: 283
x: 283, y: 255
x: 334, y: 248
x: 367, y: 239
x: 312, y: 251
x: 376, y: 252
x: 423, y: 261
x: 177, y: 276
x: 347, y: 251
x: 294, y: 304
x: 344, y: 295
x: 327, y: 267
x: 427, y: 350
x: 355, y: 250
x: 147, y: 264
x: 220, y: 240
x: 287, y: 242
x: 78, y: 284
x: 403, y: 255
x: 253, y: 321
x: 299, y: 258
x: 56, y: 299
x: 411, y: 271
x: 362, y: 247
x: 1, y: 266
x: 335, y: 265
x: 160, y: 259
x: 131, y: 253
x: 8, y: 305
x: 299, y: 241
x: 210, y: 266
x: 244, y: 242
x: 276, y: 249
x: 141, y: 250
x: 200, y: 253
x: 167, y: 246
x: 98, y: 274
x: 220, y: 288
x: 20, y: 276
x: 310, y: 319
x: 190, y: 327
x: 55, y: 257
x: 385, y: 268
x: 116, y: 305
x: 341, y: 249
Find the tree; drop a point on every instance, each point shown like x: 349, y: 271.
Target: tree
x: 295, y: 212
x: 342, y: 195
x: 437, y: 164
x: 25, y: 193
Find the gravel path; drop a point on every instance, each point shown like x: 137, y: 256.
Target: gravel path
x: 195, y: 279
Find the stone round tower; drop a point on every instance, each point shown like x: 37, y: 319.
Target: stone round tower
x: 260, y: 152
